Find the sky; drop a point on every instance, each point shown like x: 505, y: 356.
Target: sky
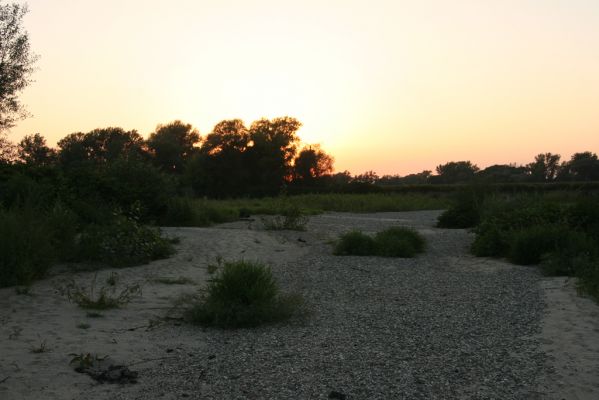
x: 395, y: 86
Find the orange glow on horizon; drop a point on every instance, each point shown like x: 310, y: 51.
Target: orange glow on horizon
x: 394, y: 86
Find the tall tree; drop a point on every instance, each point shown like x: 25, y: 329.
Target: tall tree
x: 219, y: 169
x: 172, y: 145
x: 545, y: 167
x: 32, y: 150
x: 100, y: 146
x: 312, y: 163
x: 581, y: 167
x: 16, y: 63
x: 272, y: 147
x: 455, y: 172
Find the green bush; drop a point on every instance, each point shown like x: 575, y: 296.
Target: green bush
x: 183, y: 211
x: 243, y: 294
x: 528, y: 246
x: 354, y: 243
x: 392, y: 242
x: 465, y: 212
x: 398, y: 242
x: 587, y: 271
x: 572, y: 250
x: 26, y: 248
x: 122, y: 243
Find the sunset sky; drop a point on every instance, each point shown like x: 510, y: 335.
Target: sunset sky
x: 393, y: 86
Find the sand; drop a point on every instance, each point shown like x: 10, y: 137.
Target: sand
x: 140, y: 334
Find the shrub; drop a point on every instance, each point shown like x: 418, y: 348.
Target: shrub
x: 26, y: 248
x: 392, y: 242
x: 465, y: 212
x: 354, y: 243
x: 398, y: 242
x: 122, y: 243
x: 527, y: 246
x: 291, y: 219
x: 587, y: 271
x: 182, y: 211
x: 243, y: 294
x: 573, y: 251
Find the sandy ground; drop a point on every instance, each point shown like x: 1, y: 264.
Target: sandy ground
x: 133, y: 335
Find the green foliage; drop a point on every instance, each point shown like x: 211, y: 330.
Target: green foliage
x: 465, y: 212
x: 291, y: 219
x: 398, y: 242
x: 392, y: 242
x: 587, y: 271
x: 243, y: 294
x: 26, y: 248
x: 183, y: 211
x: 501, y: 219
x: 528, y: 245
x: 354, y: 243
x: 122, y: 243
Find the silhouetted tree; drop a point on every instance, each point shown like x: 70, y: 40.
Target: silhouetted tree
x: 503, y: 173
x: 581, y: 167
x: 32, y: 150
x: 219, y: 168
x: 312, y: 163
x: 172, y: 145
x: 270, y: 153
x: 8, y: 151
x: 544, y: 168
x: 455, y: 172
x: 99, y: 146
x: 16, y: 63
x: 369, y: 177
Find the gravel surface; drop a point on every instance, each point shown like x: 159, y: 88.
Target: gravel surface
x: 442, y: 325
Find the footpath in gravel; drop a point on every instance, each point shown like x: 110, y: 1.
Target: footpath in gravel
x: 444, y: 325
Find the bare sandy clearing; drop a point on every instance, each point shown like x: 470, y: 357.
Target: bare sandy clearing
x: 443, y: 325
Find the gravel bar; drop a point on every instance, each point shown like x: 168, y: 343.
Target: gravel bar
x: 442, y: 325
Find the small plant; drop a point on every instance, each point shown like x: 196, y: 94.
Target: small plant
x: 291, y: 219
x: 212, y: 268
x: 354, y: 243
x: 174, y: 281
x: 85, y: 361
x: 83, y: 325
x: 243, y: 294
x: 101, y: 299
x: 42, y: 348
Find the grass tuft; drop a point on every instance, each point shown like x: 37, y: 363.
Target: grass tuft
x: 243, y: 294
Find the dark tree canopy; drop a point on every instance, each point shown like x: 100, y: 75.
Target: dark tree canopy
x: 172, y: 145
x: 219, y: 169
x: 32, y: 150
x: 503, y: 173
x: 581, y: 167
x: 545, y: 167
x: 16, y: 63
x: 456, y: 172
x: 272, y: 147
x: 312, y: 163
x: 100, y: 146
